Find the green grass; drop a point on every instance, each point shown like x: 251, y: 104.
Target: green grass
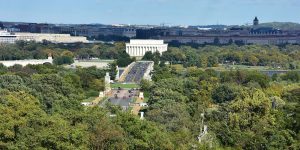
x: 242, y: 67
x: 125, y: 86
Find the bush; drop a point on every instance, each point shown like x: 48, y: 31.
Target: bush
x: 63, y: 60
x: 291, y: 76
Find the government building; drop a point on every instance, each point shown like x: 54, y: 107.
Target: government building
x: 138, y: 48
x: 10, y: 37
x: 255, y: 34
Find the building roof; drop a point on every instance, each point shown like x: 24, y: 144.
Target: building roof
x: 146, y: 42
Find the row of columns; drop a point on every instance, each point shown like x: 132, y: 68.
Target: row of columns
x: 140, y: 50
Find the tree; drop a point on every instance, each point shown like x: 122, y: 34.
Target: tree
x: 124, y: 59
x: 212, y: 61
x: 148, y: 56
x: 253, y: 60
x: 63, y: 60
x: 224, y: 93
x: 146, y: 85
x: 292, y: 76
x: 107, y: 135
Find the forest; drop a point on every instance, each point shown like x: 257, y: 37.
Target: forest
x: 243, y: 109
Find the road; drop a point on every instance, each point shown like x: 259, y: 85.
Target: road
x: 122, y: 98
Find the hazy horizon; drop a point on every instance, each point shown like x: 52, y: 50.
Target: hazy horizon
x: 150, y: 12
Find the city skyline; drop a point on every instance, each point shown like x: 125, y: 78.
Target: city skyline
x: 154, y: 12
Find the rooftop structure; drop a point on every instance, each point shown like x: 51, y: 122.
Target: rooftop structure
x: 255, y: 21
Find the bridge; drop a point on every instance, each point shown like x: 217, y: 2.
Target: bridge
x: 137, y: 71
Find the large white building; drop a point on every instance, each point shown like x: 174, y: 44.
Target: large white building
x: 138, y: 48
x: 54, y: 38
x: 7, y: 37
x: 9, y: 63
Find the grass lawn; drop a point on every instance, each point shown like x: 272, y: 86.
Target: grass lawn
x: 242, y: 67
x: 125, y: 86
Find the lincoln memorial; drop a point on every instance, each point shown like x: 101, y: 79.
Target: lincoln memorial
x: 138, y: 48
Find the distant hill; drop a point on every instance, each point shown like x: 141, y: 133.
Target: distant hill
x: 282, y: 25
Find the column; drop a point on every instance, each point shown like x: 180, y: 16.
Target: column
x: 132, y: 51
x: 140, y: 51
x: 148, y: 48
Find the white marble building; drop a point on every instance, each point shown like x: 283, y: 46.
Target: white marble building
x: 138, y: 48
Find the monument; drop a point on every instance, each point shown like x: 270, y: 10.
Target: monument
x: 118, y: 74
x: 138, y: 48
x: 107, y: 83
x: 142, y: 115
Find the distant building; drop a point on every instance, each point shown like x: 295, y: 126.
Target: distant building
x: 138, y: 48
x: 1, y: 25
x: 26, y: 62
x: 6, y: 37
x: 255, y: 21
x: 54, y: 38
x: 9, y: 37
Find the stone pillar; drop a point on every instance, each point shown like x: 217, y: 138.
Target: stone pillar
x: 134, y: 50
x: 142, y: 115
x: 50, y: 56
x: 107, y: 83
x: 118, y: 73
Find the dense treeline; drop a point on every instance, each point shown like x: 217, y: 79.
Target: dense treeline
x: 287, y: 56
x: 40, y: 109
x: 64, y: 54
x: 243, y: 109
x: 40, y: 104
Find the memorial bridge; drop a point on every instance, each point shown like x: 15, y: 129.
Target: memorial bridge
x: 137, y: 71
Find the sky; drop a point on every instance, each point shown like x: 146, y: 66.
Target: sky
x: 154, y: 12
